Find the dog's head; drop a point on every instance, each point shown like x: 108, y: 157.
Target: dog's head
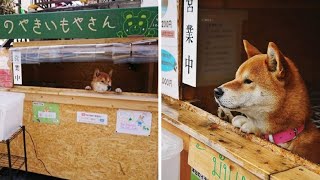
x: 261, y: 82
x: 101, y: 81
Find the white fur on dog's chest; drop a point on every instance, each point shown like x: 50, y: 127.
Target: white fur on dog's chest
x: 99, y: 87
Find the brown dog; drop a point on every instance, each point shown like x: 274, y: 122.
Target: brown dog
x: 270, y: 92
x: 102, y: 82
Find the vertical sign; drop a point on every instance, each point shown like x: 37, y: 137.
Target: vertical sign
x: 169, y: 48
x: 16, y: 61
x: 190, y: 29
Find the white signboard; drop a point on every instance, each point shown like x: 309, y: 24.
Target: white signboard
x: 92, y: 118
x: 17, y: 68
x: 134, y: 122
x: 49, y: 115
x: 190, y: 35
x: 169, y: 51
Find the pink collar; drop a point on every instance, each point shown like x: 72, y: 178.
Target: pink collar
x: 284, y: 136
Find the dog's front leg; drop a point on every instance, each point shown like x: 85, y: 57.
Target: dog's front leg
x: 224, y: 114
x: 245, y: 124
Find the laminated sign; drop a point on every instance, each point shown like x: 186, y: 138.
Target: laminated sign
x: 46, y: 112
x: 92, y: 118
x: 169, y: 49
x: 134, y: 122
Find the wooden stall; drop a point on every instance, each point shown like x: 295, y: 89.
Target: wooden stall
x: 92, y: 135
x: 209, y: 51
x: 74, y: 150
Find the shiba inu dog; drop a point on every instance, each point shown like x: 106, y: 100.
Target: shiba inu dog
x: 102, y: 82
x: 270, y: 93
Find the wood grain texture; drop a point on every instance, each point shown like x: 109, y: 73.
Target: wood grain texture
x: 214, y: 165
x: 185, y: 168
x: 134, y: 101
x: 299, y: 172
x: 254, y: 154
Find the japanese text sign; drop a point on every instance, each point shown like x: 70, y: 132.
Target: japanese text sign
x: 102, y: 23
x: 190, y: 35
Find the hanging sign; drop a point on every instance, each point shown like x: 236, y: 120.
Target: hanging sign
x: 17, y: 68
x: 190, y: 30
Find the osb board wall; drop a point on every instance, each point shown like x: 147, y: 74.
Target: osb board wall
x: 294, y: 30
x: 84, y: 151
x: 79, y: 75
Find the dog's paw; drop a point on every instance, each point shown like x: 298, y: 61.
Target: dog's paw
x: 248, y: 127
x: 118, y: 90
x: 224, y: 114
x: 87, y: 88
x: 244, y: 124
x: 238, y: 121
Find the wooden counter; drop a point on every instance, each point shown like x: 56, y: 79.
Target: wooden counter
x: 218, y: 150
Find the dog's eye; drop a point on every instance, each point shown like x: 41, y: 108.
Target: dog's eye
x: 247, y: 81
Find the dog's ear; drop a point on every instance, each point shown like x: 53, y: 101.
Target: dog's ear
x: 96, y: 73
x: 250, y: 49
x: 110, y: 73
x: 276, y: 61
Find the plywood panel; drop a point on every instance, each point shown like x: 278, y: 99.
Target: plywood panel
x: 296, y: 173
x: 83, y: 151
x: 214, y: 165
x: 135, y: 101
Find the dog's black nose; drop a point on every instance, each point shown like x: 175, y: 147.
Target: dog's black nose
x: 218, y: 92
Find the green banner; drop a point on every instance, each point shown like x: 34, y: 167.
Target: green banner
x: 102, y: 23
